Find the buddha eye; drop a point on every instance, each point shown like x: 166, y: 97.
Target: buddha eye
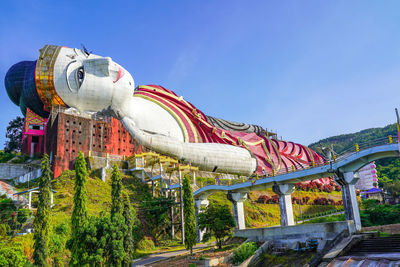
x: 80, y: 75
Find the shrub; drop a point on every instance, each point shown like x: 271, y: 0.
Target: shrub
x: 146, y: 244
x: 4, y: 156
x: 11, y: 256
x: 4, y: 229
x: 244, y: 251
x: 23, y: 215
x: 316, y: 186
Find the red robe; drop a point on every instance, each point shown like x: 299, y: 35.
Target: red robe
x: 273, y: 156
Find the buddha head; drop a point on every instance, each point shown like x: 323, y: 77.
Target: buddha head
x: 68, y: 77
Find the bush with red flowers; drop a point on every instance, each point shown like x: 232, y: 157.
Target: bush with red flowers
x: 268, y: 200
x: 318, y: 187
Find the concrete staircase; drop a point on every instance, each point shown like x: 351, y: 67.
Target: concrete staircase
x: 378, y: 251
x: 376, y: 245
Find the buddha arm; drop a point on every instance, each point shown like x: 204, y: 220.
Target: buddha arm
x: 207, y: 156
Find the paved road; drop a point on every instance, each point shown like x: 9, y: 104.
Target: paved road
x: 164, y: 255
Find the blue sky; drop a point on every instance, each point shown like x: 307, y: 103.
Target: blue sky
x: 308, y: 69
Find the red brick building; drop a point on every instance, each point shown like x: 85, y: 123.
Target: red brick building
x: 67, y: 134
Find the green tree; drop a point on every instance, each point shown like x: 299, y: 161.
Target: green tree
x: 394, y: 189
x: 14, y: 135
x: 116, y: 191
x: 94, y: 236
x: 217, y: 220
x: 118, y: 227
x: 129, y: 240
x: 115, y: 248
x: 189, y: 215
x: 79, y: 214
x: 42, y: 218
x: 58, y: 239
x: 156, y: 210
x: 12, y: 256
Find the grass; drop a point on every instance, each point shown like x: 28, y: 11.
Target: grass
x: 333, y: 218
x: 98, y: 192
x: 266, y: 215
x: 99, y: 200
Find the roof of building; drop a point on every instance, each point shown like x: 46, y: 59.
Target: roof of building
x: 372, y: 190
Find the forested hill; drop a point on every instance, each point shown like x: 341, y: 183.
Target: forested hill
x: 344, y: 141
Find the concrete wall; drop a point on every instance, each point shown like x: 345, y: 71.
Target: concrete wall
x: 9, y: 171
x: 289, y: 235
x: 29, y: 176
x: 95, y: 162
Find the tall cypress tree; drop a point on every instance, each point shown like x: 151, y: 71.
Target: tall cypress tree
x: 79, y: 214
x: 129, y: 242
x: 189, y: 215
x: 118, y: 226
x: 116, y: 192
x: 42, y: 218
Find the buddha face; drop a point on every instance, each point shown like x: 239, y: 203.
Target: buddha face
x: 89, y: 82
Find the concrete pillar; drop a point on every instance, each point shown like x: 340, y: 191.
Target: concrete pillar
x: 238, y: 210
x: 161, y: 169
x: 172, y: 215
x: 198, y: 204
x: 284, y: 191
x: 143, y: 169
x: 346, y: 181
x: 103, y: 174
x: 30, y: 200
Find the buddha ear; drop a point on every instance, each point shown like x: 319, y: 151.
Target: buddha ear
x: 98, y: 66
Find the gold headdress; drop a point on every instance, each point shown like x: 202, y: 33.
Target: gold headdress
x: 44, y: 77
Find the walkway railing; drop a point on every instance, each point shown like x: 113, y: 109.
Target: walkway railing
x: 356, y: 147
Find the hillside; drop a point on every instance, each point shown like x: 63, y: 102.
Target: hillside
x: 342, y: 142
x: 99, y: 200
x: 387, y: 169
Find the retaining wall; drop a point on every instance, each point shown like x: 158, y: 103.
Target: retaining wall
x: 290, y: 235
x: 8, y: 171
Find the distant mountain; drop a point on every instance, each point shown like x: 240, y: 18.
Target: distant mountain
x: 342, y: 142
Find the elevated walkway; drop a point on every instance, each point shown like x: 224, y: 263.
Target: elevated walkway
x: 351, y: 162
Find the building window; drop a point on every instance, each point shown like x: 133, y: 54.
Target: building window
x: 35, y: 139
x: 35, y: 127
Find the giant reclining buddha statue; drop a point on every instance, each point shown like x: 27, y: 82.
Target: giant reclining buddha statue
x: 155, y: 117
